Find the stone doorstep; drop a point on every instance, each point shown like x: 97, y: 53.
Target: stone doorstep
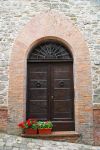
x: 70, y: 136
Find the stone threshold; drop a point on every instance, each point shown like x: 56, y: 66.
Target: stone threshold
x: 54, y: 134
x: 70, y: 136
x: 96, y: 105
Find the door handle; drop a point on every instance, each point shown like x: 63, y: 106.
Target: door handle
x: 52, y: 97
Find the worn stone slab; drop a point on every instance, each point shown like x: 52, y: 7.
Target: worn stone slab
x: 33, y: 144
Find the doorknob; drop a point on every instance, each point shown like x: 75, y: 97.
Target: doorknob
x: 52, y: 97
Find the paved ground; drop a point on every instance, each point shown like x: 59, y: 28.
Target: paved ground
x: 9, y: 142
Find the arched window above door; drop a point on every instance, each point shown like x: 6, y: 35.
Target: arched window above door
x: 50, y: 50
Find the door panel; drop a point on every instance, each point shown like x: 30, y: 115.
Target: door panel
x: 62, y: 94
x: 66, y: 83
x: 38, y: 94
x: 64, y: 115
x: 62, y: 91
x: 50, y: 94
x: 38, y: 75
x: 62, y: 106
x: 38, y: 106
x: 62, y: 74
x: 37, y: 91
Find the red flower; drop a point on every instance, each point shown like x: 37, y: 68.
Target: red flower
x: 29, y: 122
x: 22, y: 125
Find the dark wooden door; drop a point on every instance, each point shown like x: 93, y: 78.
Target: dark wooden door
x: 62, y: 105
x: 51, y: 94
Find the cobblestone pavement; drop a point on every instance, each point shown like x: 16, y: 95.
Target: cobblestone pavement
x: 10, y: 142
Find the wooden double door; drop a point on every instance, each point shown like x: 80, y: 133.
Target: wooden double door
x: 50, y: 93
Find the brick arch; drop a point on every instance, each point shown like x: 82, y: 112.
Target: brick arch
x: 42, y: 26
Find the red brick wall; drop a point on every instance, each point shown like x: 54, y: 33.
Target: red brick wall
x: 96, y: 115
x: 3, y: 118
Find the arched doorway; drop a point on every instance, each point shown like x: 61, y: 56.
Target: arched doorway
x: 45, y: 26
x: 50, y: 89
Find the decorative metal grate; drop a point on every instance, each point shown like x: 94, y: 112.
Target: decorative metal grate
x: 50, y: 50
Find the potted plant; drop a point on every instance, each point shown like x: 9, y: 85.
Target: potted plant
x: 29, y: 126
x: 44, y: 127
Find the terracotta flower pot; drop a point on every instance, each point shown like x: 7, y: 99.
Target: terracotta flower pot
x: 45, y: 131
x: 30, y: 131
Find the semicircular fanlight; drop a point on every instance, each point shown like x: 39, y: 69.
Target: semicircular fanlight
x: 50, y: 50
